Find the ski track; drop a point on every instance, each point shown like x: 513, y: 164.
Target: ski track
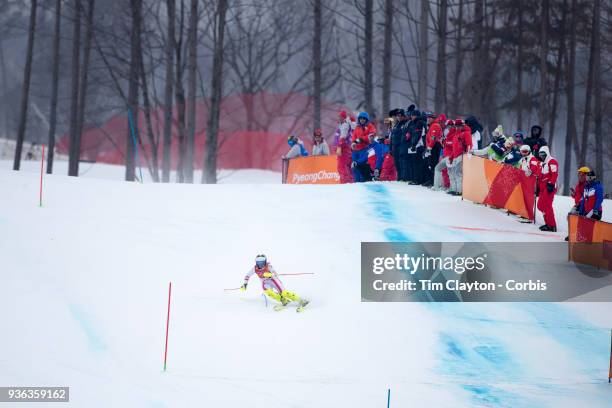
x: 470, y: 360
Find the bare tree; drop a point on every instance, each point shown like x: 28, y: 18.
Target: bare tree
x: 440, y: 96
x: 368, y: 55
x: 74, y: 149
x: 54, y: 86
x: 192, y: 65
x: 210, y: 166
x: 317, y: 64
x: 180, y: 95
x: 423, y: 48
x: 570, y: 135
x: 25, y: 90
x: 519, y: 67
x: 169, y: 54
x: 598, y: 85
x: 458, y: 57
x: 132, y: 99
x: 387, y: 57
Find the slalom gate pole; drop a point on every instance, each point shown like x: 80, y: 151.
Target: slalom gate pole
x: 167, y: 325
x: 42, y: 163
x: 610, y: 372
x: 133, y: 133
x: 388, y: 397
x: 294, y: 274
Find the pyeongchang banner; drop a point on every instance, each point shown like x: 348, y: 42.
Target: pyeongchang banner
x: 311, y: 170
x: 590, y: 242
x: 498, y: 185
x: 479, y: 272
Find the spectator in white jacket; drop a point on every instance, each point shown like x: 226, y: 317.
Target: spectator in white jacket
x: 320, y: 146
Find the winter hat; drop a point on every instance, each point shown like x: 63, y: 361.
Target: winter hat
x: 363, y: 115
x: 536, y: 131
x: 410, y: 109
x: 342, y: 115
x: 591, y: 176
x: 525, y: 148
x: 459, y: 122
x: 392, y: 112
x: 431, y: 114
x: 544, y: 151
x: 450, y: 122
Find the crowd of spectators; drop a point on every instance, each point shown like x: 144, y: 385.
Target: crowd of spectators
x: 425, y: 148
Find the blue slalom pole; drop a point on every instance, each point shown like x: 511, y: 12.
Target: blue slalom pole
x: 388, y: 397
x: 133, y: 132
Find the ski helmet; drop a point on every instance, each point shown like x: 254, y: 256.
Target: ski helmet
x: 261, y: 261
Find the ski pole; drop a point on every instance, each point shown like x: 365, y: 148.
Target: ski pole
x: 233, y: 288
x: 293, y: 274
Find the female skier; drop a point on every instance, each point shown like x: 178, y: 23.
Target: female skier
x: 271, y: 284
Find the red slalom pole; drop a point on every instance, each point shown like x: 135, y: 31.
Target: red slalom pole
x: 42, y: 162
x: 167, y: 325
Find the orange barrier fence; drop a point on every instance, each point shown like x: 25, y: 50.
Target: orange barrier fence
x: 311, y: 170
x: 590, y: 241
x: 498, y: 185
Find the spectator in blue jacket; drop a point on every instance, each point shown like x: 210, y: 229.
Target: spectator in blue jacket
x: 592, y: 198
x: 297, y: 148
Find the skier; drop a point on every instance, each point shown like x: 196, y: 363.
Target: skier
x: 547, y: 187
x: 271, y: 284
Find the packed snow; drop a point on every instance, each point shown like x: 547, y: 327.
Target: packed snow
x: 85, y: 284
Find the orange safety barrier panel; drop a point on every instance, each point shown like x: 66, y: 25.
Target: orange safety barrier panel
x: 312, y: 170
x: 498, y: 185
x: 590, y: 241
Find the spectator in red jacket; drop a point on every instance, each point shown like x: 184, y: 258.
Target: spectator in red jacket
x: 444, y: 164
x: 462, y: 143
x: 577, y: 191
x: 547, y: 187
x: 528, y: 162
x: 360, y: 142
x: 433, y: 145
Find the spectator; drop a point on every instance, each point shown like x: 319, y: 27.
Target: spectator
x: 462, y: 143
x: 535, y: 140
x: 578, y: 190
x: 476, y: 129
x: 433, y: 145
x: 547, y: 187
x: 342, y: 139
x: 320, y: 147
x: 417, y: 147
x: 297, y: 148
x: 399, y: 145
x: 495, y: 150
x: 380, y: 160
x: 592, y: 198
x: 512, y: 154
x: 360, y: 143
x: 519, y: 138
x: 528, y: 163
x: 447, y: 151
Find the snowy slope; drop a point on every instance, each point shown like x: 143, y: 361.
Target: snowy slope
x: 84, y: 291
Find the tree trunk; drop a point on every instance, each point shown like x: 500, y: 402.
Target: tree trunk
x: 130, y: 164
x: 54, y: 87
x: 83, y: 81
x: 423, y: 60
x: 368, y: 58
x: 25, y: 90
x: 316, y: 61
x: 73, y: 154
x: 4, y: 90
x: 458, y: 59
x: 570, y: 136
x: 586, y: 124
x: 387, y: 57
x: 440, y: 97
x: 153, y: 141
x: 169, y: 50
x: 519, y: 70
x: 210, y: 173
x: 543, y: 104
x: 598, y: 85
x: 558, y: 75
x: 192, y: 65
x: 180, y: 98
x: 475, y: 94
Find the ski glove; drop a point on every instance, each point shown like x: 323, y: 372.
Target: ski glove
x: 353, y: 165
x: 550, y: 187
x: 376, y: 175
x: 596, y: 215
x: 243, y: 287
x: 427, y: 153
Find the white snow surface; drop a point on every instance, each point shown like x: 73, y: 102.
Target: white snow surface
x: 84, y: 288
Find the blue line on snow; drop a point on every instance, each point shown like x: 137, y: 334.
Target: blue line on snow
x: 383, y: 209
x: 85, y: 323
